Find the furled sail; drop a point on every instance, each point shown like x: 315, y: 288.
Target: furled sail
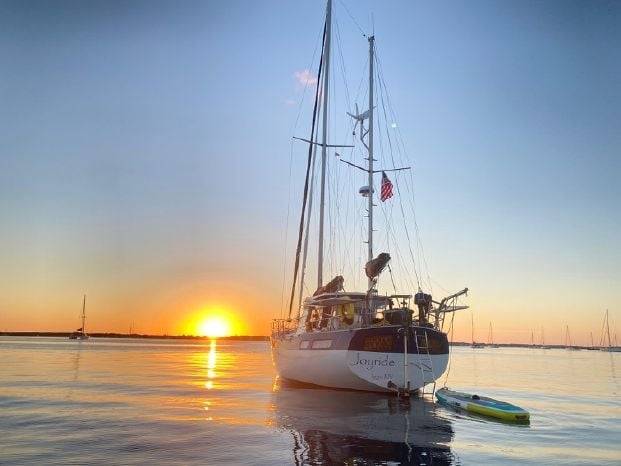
x: 334, y: 285
x: 375, y: 266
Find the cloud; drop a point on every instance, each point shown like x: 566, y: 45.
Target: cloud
x: 305, y: 77
x: 290, y: 102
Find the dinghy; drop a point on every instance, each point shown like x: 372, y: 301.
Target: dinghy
x: 482, y: 405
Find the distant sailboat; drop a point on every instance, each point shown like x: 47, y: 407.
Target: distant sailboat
x: 474, y: 344
x: 543, y: 342
x: 568, y: 344
x: 490, y: 338
x: 610, y: 347
x: 80, y: 334
x: 592, y: 347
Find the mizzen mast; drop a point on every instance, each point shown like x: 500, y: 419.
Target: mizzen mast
x: 370, y: 150
x: 368, y: 191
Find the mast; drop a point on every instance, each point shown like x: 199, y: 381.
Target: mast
x: 324, y: 136
x: 83, y: 313
x: 370, y: 207
x: 310, y: 210
x: 608, y: 330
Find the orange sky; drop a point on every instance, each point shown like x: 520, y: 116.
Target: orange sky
x: 249, y: 304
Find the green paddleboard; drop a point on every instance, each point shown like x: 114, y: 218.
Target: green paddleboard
x: 482, y: 405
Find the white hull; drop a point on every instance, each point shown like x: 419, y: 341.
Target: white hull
x: 358, y: 370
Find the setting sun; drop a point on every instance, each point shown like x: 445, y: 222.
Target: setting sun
x: 214, y: 326
x: 211, y: 320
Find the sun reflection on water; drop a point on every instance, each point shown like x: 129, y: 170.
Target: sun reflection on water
x: 211, y: 365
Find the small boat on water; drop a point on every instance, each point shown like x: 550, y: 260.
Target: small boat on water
x: 80, y: 334
x: 482, y: 405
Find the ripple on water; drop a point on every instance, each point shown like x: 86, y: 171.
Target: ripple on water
x: 167, y: 402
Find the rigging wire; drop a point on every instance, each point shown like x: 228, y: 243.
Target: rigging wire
x: 306, y: 83
x: 306, y: 181
x: 407, y: 233
x: 392, y: 279
x: 308, y: 219
x: 342, y: 186
x: 448, y: 368
x: 390, y: 233
x: 410, y: 185
x: 353, y: 19
x: 286, y: 234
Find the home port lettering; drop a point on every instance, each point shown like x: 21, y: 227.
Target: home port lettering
x: 380, y: 343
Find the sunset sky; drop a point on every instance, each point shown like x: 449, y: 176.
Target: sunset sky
x: 145, y: 151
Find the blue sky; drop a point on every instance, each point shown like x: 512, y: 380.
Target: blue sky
x: 146, y: 145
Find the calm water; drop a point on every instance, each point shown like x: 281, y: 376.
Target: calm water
x: 168, y: 402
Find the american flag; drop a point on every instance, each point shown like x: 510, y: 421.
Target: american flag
x: 386, y: 192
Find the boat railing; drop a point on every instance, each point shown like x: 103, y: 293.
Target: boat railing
x: 365, y: 318
x: 282, y: 327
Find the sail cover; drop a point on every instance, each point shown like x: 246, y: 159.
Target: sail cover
x: 375, y: 266
x: 334, y: 285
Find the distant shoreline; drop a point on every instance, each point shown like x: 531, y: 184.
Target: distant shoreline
x: 138, y: 335
x: 236, y: 338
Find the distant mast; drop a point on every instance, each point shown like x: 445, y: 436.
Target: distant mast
x: 608, y: 331
x: 83, y: 314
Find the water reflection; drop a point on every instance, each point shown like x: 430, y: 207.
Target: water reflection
x: 342, y: 427
x: 76, y: 363
x: 75, y: 371
x: 211, y: 365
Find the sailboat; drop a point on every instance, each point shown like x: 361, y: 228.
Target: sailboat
x: 80, y: 334
x: 592, y: 347
x: 568, y: 344
x: 474, y: 344
x: 490, y: 338
x: 610, y: 347
x: 359, y: 340
x: 543, y: 341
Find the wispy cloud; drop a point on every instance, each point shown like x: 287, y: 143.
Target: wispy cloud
x: 305, y: 78
x: 290, y: 102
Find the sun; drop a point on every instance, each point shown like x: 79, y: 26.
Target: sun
x: 214, y: 326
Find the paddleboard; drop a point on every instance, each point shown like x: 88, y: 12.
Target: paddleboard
x: 482, y: 405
